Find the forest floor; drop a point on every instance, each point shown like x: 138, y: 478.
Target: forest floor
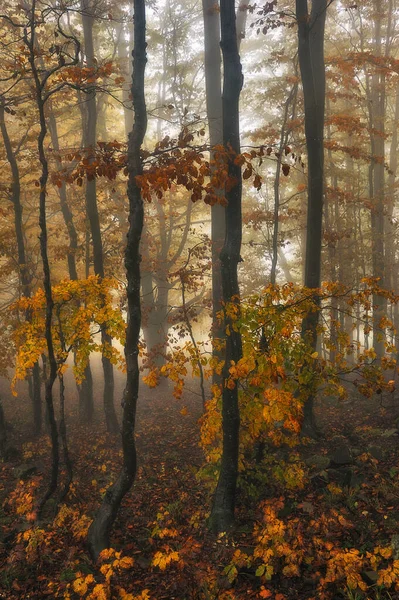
x: 350, y: 502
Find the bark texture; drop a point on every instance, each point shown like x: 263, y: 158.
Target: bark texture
x: 100, y: 529
x: 213, y: 86
x: 40, y: 98
x: 222, y: 515
x: 85, y: 389
x: 311, y: 61
x: 25, y: 277
x: 92, y: 210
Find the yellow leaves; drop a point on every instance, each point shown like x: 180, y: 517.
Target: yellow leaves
x: 81, y: 584
x: 384, y: 552
x: 390, y: 575
x: 243, y: 367
x: 80, y: 306
x: 76, y: 522
x: 152, y: 379
x: 107, y: 571
x: 125, y: 563
x: 164, y: 559
x: 100, y: 592
x: 334, y: 489
x: 345, y: 564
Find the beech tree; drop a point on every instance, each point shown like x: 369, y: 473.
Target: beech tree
x: 24, y: 274
x: 89, y: 141
x: 99, y: 532
x: 311, y: 61
x: 222, y: 515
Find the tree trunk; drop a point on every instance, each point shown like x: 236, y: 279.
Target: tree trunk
x: 100, y: 529
x: 222, y: 515
x: 311, y: 62
x: 25, y: 278
x: 29, y: 39
x: 92, y: 212
x: 85, y: 389
x: 213, y: 87
x: 377, y: 114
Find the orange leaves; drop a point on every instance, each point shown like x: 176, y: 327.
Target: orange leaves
x: 346, y: 565
x: 163, y: 559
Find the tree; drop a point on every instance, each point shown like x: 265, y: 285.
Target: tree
x: 85, y: 389
x: 212, y: 61
x: 91, y: 206
x: 222, y: 515
x: 99, y: 532
x: 311, y: 62
x: 25, y: 276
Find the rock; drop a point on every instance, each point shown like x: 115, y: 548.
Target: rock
x: 342, y: 456
x: 390, y: 432
x: 356, y: 480
x: 25, y: 471
x: 395, y: 546
x: 318, y: 461
x: 356, y: 452
x: 370, y: 577
x: 376, y: 452
x: 342, y: 476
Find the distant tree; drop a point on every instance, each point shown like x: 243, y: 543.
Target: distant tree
x: 89, y: 142
x: 24, y: 273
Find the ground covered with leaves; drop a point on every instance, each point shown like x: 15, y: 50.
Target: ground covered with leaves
x: 322, y: 523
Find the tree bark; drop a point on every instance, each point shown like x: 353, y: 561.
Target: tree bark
x: 222, y: 515
x: 25, y: 277
x: 377, y: 173
x: 311, y: 61
x: 92, y: 211
x: 85, y: 389
x: 39, y: 86
x: 100, y: 529
x: 214, y: 111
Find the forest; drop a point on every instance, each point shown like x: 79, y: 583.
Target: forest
x: 199, y: 300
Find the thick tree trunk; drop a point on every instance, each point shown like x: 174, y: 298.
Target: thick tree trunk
x: 92, y: 211
x: 222, y: 515
x: 25, y: 278
x: 311, y: 62
x: 100, y: 529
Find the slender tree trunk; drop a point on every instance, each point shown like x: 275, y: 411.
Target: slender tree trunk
x: 85, y: 389
x: 123, y: 46
x: 283, y: 143
x: 25, y: 278
x: 311, y: 60
x: 92, y: 212
x: 213, y: 87
x: 377, y: 113
x: 29, y: 39
x: 222, y: 515
x: 331, y: 223
x: 100, y: 529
